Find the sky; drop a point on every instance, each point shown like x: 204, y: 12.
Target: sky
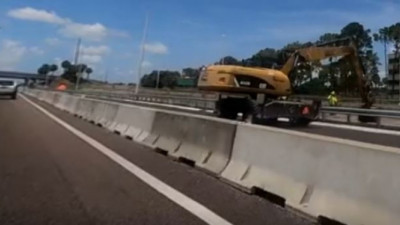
x: 181, y: 33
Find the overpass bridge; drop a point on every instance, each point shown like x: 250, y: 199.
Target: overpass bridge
x: 21, y: 75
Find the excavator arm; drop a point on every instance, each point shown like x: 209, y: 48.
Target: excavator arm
x: 317, y: 53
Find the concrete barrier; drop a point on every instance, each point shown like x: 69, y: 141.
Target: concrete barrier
x: 347, y: 181
x: 109, y: 115
x: 205, y: 141
x: 41, y: 95
x: 36, y: 93
x: 30, y: 92
x: 48, y: 97
x: 53, y: 98
x: 103, y: 113
x: 85, y: 108
x: 63, y: 101
x: 96, y: 110
x: 71, y: 104
x: 133, y: 122
x: 56, y: 98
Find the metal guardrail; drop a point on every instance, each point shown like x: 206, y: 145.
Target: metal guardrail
x: 349, y: 112
x: 363, y: 112
x: 201, y: 103
x: 209, y: 104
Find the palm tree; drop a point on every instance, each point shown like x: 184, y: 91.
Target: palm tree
x: 44, y: 70
x: 88, y: 72
x: 53, y: 68
x: 66, y: 64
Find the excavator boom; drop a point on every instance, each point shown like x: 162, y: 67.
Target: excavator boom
x: 317, y: 53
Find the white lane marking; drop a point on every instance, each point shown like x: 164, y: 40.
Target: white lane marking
x: 358, y: 128
x: 185, y: 202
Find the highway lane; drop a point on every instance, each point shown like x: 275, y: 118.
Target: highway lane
x: 371, y: 135
x: 50, y: 176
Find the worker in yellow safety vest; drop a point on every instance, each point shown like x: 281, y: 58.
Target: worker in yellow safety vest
x: 332, y: 99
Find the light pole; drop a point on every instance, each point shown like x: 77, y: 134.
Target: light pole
x: 142, y: 53
x: 46, y: 80
x: 76, y: 60
x: 223, y: 36
x: 106, y: 77
x: 398, y: 72
x: 158, y: 79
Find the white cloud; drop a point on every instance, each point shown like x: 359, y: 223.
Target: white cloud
x: 127, y: 55
x: 95, y: 50
x: 93, y: 32
x: 118, y: 33
x: 11, y: 54
x: 52, y: 41
x: 156, y: 48
x: 68, y: 28
x: 91, y: 59
x: 93, y: 54
x: 36, y: 50
x: 29, y: 13
x: 146, y: 64
x: 58, y: 61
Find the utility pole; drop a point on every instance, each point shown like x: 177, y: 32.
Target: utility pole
x: 76, y: 60
x: 142, y: 53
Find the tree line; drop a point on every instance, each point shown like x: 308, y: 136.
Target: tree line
x: 169, y: 79
x: 312, y: 77
x: 317, y: 77
x: 70, y: 71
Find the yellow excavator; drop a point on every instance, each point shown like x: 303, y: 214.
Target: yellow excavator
x: 259, y: 93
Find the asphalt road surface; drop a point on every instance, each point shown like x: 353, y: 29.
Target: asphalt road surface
x: 48, y: 175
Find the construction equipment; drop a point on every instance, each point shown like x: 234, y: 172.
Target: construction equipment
x: 259, y: 93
